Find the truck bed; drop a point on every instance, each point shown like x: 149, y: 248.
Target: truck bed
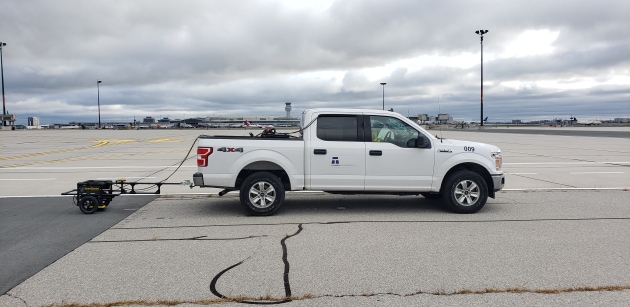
x: 255, y: 137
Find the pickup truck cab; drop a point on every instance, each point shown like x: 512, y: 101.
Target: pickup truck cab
x: 350, y: 151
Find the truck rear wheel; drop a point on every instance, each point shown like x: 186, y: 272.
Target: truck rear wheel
x: 262, y: 193
x: 465, y: 192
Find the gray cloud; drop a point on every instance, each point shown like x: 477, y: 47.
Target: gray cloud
x: 195, y: 58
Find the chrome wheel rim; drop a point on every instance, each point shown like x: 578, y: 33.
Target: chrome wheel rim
x: 467, y: 193
x: 262, y: 194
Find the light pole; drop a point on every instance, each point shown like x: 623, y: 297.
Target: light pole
x: 98, y: 99
x: 481, y: 33
x: 4, y: 107
x: 383, y: 84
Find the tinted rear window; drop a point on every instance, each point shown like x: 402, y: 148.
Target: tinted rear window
x: 337, y: 128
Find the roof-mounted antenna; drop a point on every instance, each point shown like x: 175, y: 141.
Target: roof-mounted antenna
x: 439, y: 112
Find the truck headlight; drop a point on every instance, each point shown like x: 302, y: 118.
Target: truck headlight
x: 498, y: 160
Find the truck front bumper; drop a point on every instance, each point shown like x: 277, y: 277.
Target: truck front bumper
x: 499, y: 181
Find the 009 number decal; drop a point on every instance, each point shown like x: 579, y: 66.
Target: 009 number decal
x: 466, y: 148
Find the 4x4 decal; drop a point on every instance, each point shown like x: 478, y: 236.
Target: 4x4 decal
x: 228, y: 149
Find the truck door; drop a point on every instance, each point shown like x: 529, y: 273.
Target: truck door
x: 393, y: 161
x: 336, y: 153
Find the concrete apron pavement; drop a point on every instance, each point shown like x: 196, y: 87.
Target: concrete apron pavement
x: 559, y: 228
x: 524, y: 248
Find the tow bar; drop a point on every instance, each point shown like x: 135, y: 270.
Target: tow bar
x: 92, y: 195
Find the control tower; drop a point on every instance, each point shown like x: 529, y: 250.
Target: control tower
x: 288, y: 109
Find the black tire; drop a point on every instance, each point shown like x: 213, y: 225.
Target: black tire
x: 88, y: 204
x: 106, y: 198
x: 465, y: 192
x: 262, y: 193
x: 103, y: 205
x: 431, y: 195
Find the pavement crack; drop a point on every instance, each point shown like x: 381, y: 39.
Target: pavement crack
x: 203, y: 226
x: 520, y: 290
x: 262, y: 300
x: 256, y: 301
x: 388, y: 221
x: 213, y: 283
x: 287, y: 285
x: 272, y: 300
x: 199, y: 238
x: 547, y: 181
x: 17, y: 298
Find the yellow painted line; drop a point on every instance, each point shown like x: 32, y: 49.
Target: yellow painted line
x: 165, y: 140
x: 37, y: 154
x: 118, y: 141
x: 101, y: 143
x: 175, y: 138
x: 89, y: 158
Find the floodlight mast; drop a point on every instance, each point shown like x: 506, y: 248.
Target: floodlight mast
x: 383, y: 84
x: 98, y: 100
x: 481, y: 34
x: 4, y: 108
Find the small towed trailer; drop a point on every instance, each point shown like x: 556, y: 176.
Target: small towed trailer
x: 92, y: 195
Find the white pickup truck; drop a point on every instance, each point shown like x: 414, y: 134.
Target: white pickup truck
x: 350, y: 151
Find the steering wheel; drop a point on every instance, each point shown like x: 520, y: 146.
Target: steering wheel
x: 388, y: 137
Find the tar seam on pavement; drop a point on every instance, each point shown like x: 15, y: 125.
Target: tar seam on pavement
x: 287, y: 285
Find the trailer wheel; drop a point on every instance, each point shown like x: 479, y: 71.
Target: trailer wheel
x: 465, y: 192
x: 88, y: 204
x: 103, y: 205
x: 105, y: 200
x: 262, y: 193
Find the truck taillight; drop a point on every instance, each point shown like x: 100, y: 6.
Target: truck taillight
x: 202, y: 155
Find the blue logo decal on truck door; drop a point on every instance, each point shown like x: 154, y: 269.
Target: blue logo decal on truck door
x: 335, y: 161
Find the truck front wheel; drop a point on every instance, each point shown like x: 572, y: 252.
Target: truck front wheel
x: 465, y: 192
x: 262, y: 193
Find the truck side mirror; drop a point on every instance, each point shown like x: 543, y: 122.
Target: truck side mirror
x: 422, y: 142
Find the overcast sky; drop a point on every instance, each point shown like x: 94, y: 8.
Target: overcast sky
x: 542, y: 59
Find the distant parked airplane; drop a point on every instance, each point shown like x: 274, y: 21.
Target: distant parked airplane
x: 590, y: 123
x: 247, y: 124
x: 71, y: 127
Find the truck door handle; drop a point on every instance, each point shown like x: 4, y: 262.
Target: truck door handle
x: 376, y: 153
x: 319, y: 151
